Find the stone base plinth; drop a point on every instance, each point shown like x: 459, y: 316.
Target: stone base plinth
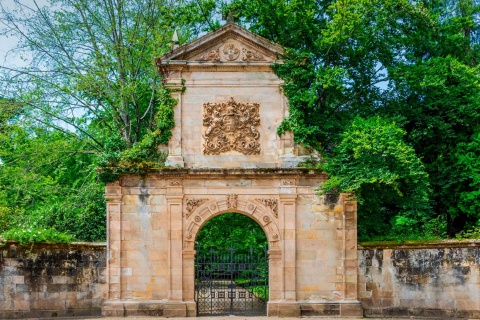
x: 306, y: 309
x: 175, y: 161
x: 152, y: 308
x: 283, y: 309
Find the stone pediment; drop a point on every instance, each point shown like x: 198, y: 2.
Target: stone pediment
x: 228, y: 44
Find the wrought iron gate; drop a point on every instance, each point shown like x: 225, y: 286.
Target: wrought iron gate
x: 231, y: 283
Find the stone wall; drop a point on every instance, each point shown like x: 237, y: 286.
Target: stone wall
x: 52, y: 280
x: 429, y: 280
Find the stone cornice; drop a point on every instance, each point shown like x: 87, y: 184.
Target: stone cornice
x: 434, y: 244
x: 184, y: 65
x: 168, y: 172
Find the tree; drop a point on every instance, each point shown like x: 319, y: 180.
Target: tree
x: 412, y: 62
x: 372, y: 158
x: 232, y: 230
x: 48, y: 188
x: 91, y: 69
x: 87, y: 95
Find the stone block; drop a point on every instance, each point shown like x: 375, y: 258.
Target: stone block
x: 351, y: 309
x: 175, y: 310
x: 285, y: 310
x: 17, y: 279
x: 21, y: 305
x: 113, y: 309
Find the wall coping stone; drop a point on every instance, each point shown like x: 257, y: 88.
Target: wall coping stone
x: 51, y: 246
x: 420, y: 244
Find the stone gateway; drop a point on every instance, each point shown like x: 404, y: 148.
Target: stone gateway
x: 225, y: 156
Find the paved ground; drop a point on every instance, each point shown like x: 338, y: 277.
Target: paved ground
x: 252, y: 318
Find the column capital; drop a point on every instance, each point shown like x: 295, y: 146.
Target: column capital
x: 288, y: 197
x: 275, y: 254
x: 189, y: 253
x: 113, y: 198
x: 174, y: 198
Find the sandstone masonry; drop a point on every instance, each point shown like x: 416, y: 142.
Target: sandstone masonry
x: 45, y: 280
x: 225, y: 156
x: 438, y: 280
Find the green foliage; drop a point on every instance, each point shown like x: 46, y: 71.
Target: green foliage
x: 373, y: 151
x: 28, y: 235
x: 87, y: 96
x: 468, y: 166
x: 373, y: 157
x: 414, y: 62
x: 473, y: 233
x: 144, y: 154
x: 47, y: 181
x: 231, y: 230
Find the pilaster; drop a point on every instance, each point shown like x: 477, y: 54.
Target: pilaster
x: 175, y: 148
x: 288, y: 210
x: 189, y: 281
x: 174, y: 199
x: 113, y: 196
x: 350, y: 247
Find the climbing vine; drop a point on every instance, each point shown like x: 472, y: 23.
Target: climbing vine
x: 144, y: 154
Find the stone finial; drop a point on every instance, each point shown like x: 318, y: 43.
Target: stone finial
x: 175, y: 44
x: 229, y: 16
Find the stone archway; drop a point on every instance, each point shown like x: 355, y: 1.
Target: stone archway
x: 225, y: 155
x: 153, y: 222
x: 231, y: 266
x: 262, y: 210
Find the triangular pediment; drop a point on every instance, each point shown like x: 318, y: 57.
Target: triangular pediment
x: 230, y: 43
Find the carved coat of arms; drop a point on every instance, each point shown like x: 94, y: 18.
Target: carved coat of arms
x: 231, y: 126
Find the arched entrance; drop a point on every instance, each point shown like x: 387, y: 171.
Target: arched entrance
x: 260, y: 209
x: 231, y: 267
x: 225, y: 156
x: 154, y: 222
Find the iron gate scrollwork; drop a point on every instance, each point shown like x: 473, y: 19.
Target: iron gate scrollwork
x: 231, y: 283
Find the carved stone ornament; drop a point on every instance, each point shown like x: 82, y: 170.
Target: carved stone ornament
x: 287, y: 182
x: 266, y: 219
x: 272, y: 204
x: 192, y: 204
x: 175, y: 183
x: 231, y: 126
x: 230, y: 52
x: 197, y: 219
x: 232, y: 201
x: 212, y: 55
x: 251, y: 56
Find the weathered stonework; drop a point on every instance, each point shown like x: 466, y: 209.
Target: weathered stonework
x: 429, y: 280
x: 45, y: 280
x: 233, y: 103
x: 152, y: 232
x: 192, y: 204
x: 439, y: 280
x: 271, y: 203
x: 225, y: 156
